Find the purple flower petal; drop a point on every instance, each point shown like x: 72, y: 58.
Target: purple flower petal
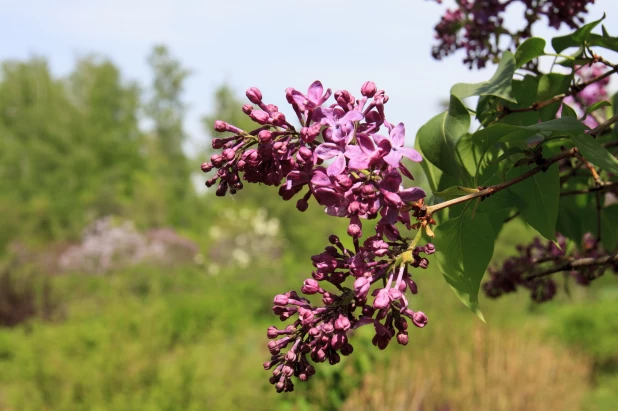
x: 411, y: 153
x: 393, y: 159
x: 352, y: 115
x: 366, y: 144
x: 412, y: 194
x: 336, y: 166
x: 320, y: 178
x: 328, y: 150
x: 398, y: 135
x: 315, y: 91
x: 392, y: 181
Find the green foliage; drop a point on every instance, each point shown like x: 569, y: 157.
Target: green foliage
x: 467, y: 244
x: 537, y: 198
x: 530, y: 49
x: 580, y: 37
x: 499, y: 85
x: 595, y: 152
x: 438, y: 138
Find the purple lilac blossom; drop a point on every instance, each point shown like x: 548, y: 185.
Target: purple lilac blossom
x: 364, y: 181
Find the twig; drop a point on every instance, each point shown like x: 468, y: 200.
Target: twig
x: 598, y: 189
x: 603, y: 126
x: 499, y: 187
x: 574, y: 265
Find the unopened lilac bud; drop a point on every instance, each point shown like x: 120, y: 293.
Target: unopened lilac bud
x: 305, y: 153
x: 265, y: 136
x: 247, y: 109
x: 302, y: 205
x: 278, y: 119
x: 368, y: 89
x: 394, y: 294
x: 342, y: 323
x: 287, y: 371
x: 392, y: 199
x: 402, y: 338
x: 337, y: 340
x: 424, y: 263
x: 430, y: 249
x: 327, y: 299
x: 217, y: 160
x: 361, y: 287
x: 354, y: 229
x: 259, y: 116
x: 206, y: 167
x: 310, y: 286
x: 334, y: 358
x: 221, y: 190
x: 382, y: 300
x: 328, y: 328
x: 220, y: 126
x: 413, y: 287
x: 254, y: 95
x: 273, y: 347
x: 419, y: 319
x: 368, y: 311
x: 318, y: 275
x: 344, y: 98
x: 347, y: 349
x: 310, y: 370
x: 272, y: 332
x: 318, y: 355
x: 228, y: 154
x: 290, y: 356
x: 333, y: 239
x: 281, y: 300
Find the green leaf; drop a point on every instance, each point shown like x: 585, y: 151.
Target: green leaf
x: 469, y: 153
x: 567, y: 111
x: 595, y: 152
x: 609, y: 222
x: 551, y: 85
x: 438, y: 138
x: 578, y: 38
x: 530, y: 49
x: 463, y: 250
x: 597, y: 105
x: 537, y: 198
x: 499, y: 85
x: 432, y: 173
x: 509, y: 133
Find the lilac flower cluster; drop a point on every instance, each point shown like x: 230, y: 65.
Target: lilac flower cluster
x: 347, y: 156
x: 364, y: 177
x: 514, y: 270
x: 321, y: 332
x: 477, y: 25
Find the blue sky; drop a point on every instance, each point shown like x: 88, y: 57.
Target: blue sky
x: 271, y: 44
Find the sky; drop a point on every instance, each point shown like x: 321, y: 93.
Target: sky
x: 271, y: 44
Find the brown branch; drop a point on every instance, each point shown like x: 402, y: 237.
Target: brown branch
x: 499, y: 187
x: 590, y: 167
x: 603, y: 126
x: 596, y: 189
x: 574, y: 265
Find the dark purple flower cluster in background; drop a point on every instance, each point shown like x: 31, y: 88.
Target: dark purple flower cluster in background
x: 347, y: 156
x: 476, y: 26
x: 515, y: 271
